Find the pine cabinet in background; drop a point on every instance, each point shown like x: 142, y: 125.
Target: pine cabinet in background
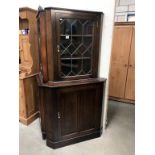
x: 122, y: 72
x: 28, y: 66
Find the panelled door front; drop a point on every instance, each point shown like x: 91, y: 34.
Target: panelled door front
x: 119, y: 61
x: 67, y: 113
x: 79, y: 110
x: 75, y: 43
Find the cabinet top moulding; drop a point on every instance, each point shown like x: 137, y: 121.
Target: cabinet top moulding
x: 124, y: 23
x: 64, y: 9
x: 72, y: 82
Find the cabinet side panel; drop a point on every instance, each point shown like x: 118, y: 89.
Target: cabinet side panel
x: 43, y: 51
x: 97, y: 44
x: 100, y: 105
x: 87, y: 109
x: 51, y: 109
x: 68, y: 106
x: 50, y: 43
x: 42, y: 98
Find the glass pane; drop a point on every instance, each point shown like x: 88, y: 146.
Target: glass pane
x: 66, y: 66
x: 87, y: 41
x: 76, y: 66
x: 76, y: 40
x: 79, y: 51
x: 65, y: 42
x: 76, y: 45
x: 76, y: 27
x: 65, y: 27
x: 88, y: 27
x: 86, y: 66
x: 87, y: 52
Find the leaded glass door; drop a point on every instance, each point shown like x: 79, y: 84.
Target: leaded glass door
x: 75, y: 46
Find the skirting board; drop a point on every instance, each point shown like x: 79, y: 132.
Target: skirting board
x: 121, y: 100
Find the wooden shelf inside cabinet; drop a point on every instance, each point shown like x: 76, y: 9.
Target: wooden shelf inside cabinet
x: 70, y: 92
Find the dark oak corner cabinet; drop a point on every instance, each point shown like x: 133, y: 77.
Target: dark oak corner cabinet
x: 71, y: 94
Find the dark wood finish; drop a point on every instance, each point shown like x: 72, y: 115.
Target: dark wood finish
x: 73, y: 82
x: 68, y: 112
x: 72, y: 10
x: 50, y: 39
x: 71, y: 112
x: 70, y: 107
x: 49, y: 34
x: 43, y: 54
x: 121, y: 85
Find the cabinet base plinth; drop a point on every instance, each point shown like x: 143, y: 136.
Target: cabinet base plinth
x: 30, y: 119
x: 74, y: 140
x: 43, y: 135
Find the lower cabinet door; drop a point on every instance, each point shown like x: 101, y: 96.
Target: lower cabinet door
x: 87, y: 109
x: 79, y: 110
x: 68, y: 113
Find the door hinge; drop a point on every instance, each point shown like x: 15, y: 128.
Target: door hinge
x: 59, y: 115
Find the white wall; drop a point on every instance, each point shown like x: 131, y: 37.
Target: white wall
x: 107, y: 7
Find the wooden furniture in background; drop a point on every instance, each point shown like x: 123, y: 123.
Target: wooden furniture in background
x: 28, y: 99
x: 121, y: 84
x: 28, y: 66
x: 69, y: 90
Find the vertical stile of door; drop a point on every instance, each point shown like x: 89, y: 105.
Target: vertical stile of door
x: 43, y: 47
x: 128, y: 61
x: 130, y: 74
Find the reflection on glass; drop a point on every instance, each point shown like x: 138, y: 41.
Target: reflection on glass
x: 76, y: 43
